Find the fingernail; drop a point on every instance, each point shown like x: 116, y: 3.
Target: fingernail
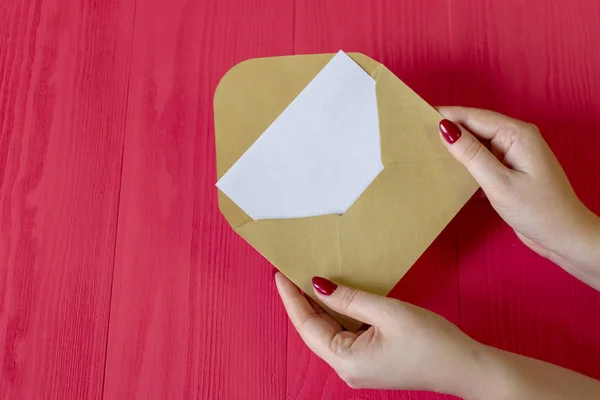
x: 323, y: 286
x: 450, y: 131
x: 275, y: 271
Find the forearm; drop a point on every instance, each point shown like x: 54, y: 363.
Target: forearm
x: 584, y: 262
x: 499, y: 375
x: 594, y: 244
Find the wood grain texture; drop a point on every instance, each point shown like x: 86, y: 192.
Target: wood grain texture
x: 63, y: 86
x: 194, y: 313
x: 415, y: 45
x: 107, y: 160
x: 538, y: 63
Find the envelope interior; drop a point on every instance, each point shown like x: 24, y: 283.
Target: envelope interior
x: 320, y: 153
x: 392, y: 223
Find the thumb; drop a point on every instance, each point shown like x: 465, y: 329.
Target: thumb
x: 362, y: 306
x: 485, y: 168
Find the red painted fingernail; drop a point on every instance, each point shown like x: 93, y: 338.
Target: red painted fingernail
x: 450, y: 131
x: 275, y: 271
x: 323, y: 286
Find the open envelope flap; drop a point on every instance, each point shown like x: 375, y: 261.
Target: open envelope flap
x: 250, y: 97
x: 391, y: 224
x: 388, y: 228
x: 408, y: 125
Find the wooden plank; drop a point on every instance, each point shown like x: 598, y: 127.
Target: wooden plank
x: 63, y: 87
x: 537, y: 61
x: 411, y: 38
x: 194, y: 310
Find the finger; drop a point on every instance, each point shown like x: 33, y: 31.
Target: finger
x: 487, y: 170
x: 323, y: 314
x: 316, y: 331
x: 362, y: 306
x: 484, y: 124
x: 509, y: 137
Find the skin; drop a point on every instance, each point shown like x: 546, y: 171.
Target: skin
x: 407, y: 347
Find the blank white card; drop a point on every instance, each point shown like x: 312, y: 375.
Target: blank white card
x: 319, y: 155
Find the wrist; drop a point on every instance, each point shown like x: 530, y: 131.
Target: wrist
x: 588, y: 258
x: 491, y: 372
x: 578, y: 249
x: 469, y: 373
x: 504, y: 375
x: 595, y: 242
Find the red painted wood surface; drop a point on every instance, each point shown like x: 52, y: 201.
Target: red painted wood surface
x: 64, y: 68
x: 118, y: 276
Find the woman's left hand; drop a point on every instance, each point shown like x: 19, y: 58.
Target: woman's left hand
x: 406, y: 347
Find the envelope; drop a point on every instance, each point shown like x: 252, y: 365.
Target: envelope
x: 383, y: 233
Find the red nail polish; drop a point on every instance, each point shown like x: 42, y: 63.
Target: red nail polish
x: 450, y: 131
x: 323, y: 286
x: 275, y: 271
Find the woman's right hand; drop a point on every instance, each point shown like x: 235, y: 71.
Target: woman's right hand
x: 527, y: 186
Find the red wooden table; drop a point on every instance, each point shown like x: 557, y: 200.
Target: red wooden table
x: 119, y: 279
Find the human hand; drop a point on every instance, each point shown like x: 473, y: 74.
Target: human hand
x: 406, y: 347
x: 526, y: 186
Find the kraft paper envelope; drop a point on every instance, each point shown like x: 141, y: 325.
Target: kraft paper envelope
x: 374, y: 243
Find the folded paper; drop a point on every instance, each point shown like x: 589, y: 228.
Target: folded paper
x: 319, y: 155
x: 381, y: 235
